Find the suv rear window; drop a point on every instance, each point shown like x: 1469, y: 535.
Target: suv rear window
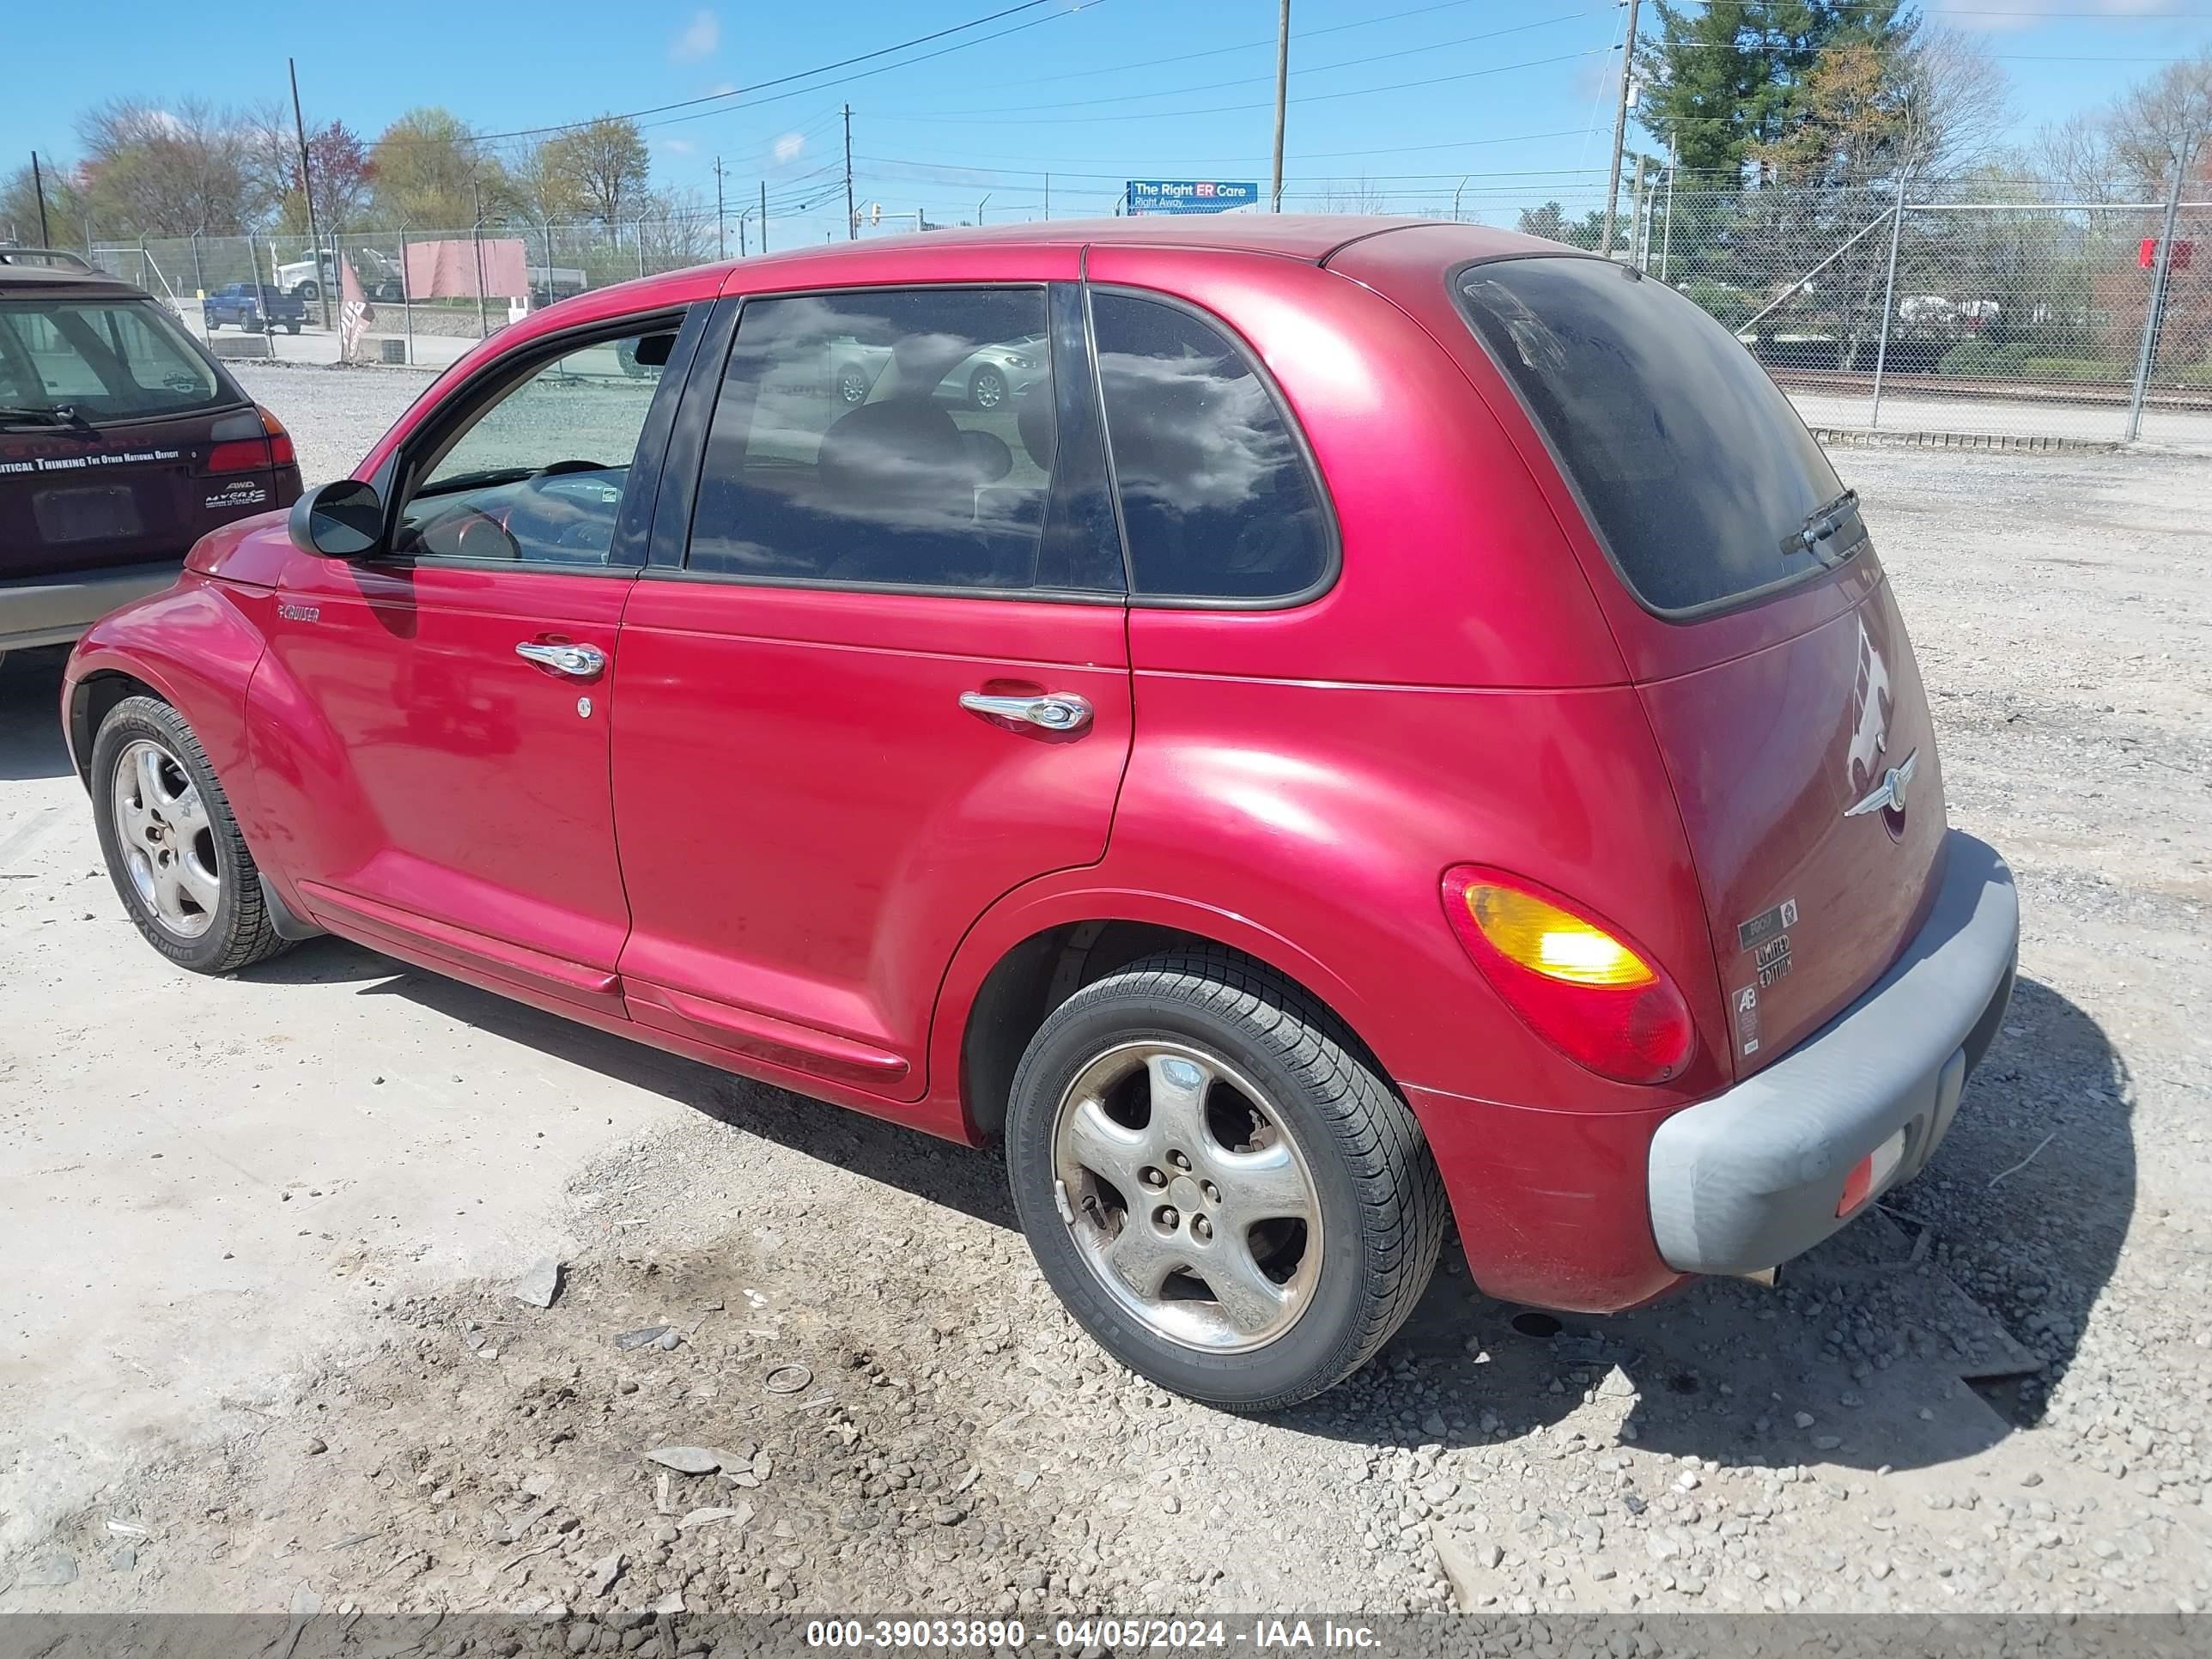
x: 109, y: 360
x: 1696, y: 472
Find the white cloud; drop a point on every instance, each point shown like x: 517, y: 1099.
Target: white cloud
x: 701, y: 38
x: 679, y: 146
x: 788, y: 146
x: 721, y: 88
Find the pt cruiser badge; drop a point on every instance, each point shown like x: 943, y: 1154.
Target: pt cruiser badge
x: 1888, y: 795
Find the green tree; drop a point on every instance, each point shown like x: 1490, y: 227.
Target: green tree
x: 1550, y: 223
x: 430, y: 172
x: 1726, y: 79
x: 603, y: 166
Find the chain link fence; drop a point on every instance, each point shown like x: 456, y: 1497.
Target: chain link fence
x: 2030, y: 322
x: 2026, y: 320
x: 432, y: 292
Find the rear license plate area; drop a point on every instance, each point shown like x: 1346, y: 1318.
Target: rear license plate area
x: 84, y: 515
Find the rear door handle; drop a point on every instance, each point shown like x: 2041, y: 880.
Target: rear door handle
x: 581, y: 662
x: 1057, y: 711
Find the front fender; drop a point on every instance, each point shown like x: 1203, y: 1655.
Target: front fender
x: 195, y: 646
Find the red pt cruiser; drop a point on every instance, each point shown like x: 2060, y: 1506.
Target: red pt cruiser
x: 1365, y: 723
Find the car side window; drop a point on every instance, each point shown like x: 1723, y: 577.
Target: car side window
x: 905, y: 438
x: 537, y: 474
x: 1217, y: 500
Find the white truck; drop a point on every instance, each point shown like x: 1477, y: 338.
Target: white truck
x: 308, y: 279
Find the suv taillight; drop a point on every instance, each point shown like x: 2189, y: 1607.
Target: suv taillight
x: 250, y: 442
x: 1589, y: 994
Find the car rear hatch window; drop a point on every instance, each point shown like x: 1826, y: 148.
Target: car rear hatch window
x: 120, y: 442
x: 1696, y: 475
x: 96, y: 360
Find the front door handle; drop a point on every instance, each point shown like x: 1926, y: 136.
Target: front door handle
x: 1057, y: 711
x: 581, y: 662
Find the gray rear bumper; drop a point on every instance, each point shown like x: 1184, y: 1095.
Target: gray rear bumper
x: 1750, y: 1178
x: 55, y: 609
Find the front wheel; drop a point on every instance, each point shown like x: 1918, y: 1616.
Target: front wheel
x: 986, y: 388
x: 1219, y: 1185
x: 173, y: 848
x: 309, y: 289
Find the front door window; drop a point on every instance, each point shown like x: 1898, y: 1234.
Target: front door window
x: 536, y: 474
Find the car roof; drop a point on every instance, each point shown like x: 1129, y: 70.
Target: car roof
x: 1313, y: 237
x: 52, y: 280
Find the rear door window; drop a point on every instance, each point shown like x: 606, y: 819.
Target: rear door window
x: 1218, y: 501
x: 1697, y: 473
x: 104, y: 360
x: 906, y: 438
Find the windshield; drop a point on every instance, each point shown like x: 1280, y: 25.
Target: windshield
x: 1697, y: 473
x: 107, y: 360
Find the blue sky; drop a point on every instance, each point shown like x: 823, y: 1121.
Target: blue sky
x: 1111, y: 89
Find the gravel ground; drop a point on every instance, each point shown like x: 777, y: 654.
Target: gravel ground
x: 1996, y: 1396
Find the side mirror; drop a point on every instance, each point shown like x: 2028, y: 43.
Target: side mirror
x: 341, y: 520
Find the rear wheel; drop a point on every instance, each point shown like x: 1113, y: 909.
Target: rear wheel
x: 309, y: 289
x: 1221, y: 1187
x: 173, y: 848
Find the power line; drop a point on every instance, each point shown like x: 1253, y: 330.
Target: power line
x: 780, y: 80
x: 1308, y: 98
x: 1058, y: 165
x: 1246, y: 80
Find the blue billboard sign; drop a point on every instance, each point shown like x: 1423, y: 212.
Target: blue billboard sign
x: 1190, y: 194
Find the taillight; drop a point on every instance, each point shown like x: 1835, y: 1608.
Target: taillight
x: 280, y: 452
x: 1589, y: 994
x: 250, y: 442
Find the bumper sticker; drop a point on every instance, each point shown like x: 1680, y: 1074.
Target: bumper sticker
x: 1767, y: 924
x: 1745, y: 1004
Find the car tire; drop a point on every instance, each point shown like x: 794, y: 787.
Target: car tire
x: 210, y: 323
x: 1264, y: 1106
x: 986, y: 388
x: 291, y: 328
x: 309, y: 289
x: 250, y: 323
x: 200, y: 906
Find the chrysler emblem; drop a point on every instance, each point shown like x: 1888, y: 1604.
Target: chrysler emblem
x: 1888, y: 795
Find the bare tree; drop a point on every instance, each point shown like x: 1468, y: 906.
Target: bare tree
x: 172, y: 170
x: 1954, y: 106
x: 1360, y: 195
x: 2161, y: 125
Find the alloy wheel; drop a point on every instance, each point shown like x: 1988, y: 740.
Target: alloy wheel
x: 1186, y: 1196
x: 167, y: 844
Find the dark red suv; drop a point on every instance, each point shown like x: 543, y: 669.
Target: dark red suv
x: 121, y: 444
x: 1380, y: 724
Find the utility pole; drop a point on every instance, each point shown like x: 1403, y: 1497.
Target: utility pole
x: 852, y: 218
x: 721, y: 235
x: 39, y: 184
x: 307, y: 194
x: 1282, y: 97
x: 1636, y: 216
x: 763, y: 215
x: 1620, y: 131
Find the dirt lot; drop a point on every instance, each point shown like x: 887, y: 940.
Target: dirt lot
x: 259, y: 1350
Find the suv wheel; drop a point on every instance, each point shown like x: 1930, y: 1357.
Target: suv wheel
x: 1221, y: 1188
x: 172, y: 848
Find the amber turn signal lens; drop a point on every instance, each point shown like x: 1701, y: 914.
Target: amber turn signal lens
x: 1589, y: 994
x: 1550, y: 941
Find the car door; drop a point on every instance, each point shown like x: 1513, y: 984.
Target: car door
x: 434, y: 719
x: 888, y: 683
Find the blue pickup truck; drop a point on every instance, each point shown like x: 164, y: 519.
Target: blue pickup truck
x: 255, y: 307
